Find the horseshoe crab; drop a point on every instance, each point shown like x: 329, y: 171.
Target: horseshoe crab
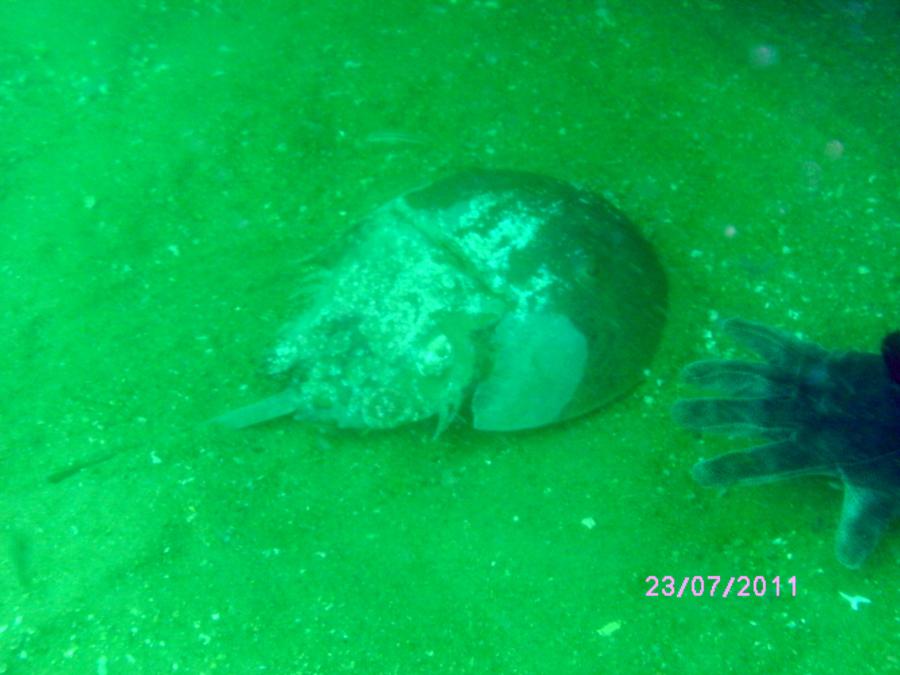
x: 514, y: 298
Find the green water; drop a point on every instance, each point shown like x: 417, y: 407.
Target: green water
x: 166, y: 168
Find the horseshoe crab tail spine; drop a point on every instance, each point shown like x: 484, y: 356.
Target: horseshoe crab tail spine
x: 268, y: 409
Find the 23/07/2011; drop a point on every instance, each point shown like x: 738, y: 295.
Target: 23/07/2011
x: 699, y: 586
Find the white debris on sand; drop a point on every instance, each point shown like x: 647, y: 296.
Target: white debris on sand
x: 855, y: 600
x: 609, y: 628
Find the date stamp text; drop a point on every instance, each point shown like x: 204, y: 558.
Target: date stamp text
x: 715, y: 586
